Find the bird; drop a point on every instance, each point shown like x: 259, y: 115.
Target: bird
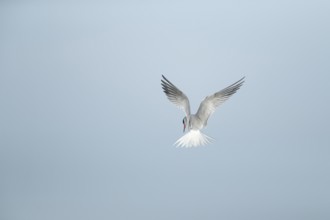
x: 194, y: 123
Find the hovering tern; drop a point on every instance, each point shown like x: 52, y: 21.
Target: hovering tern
x: 195, y: 122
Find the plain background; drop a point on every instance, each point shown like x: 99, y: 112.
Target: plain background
x: 87, y: 133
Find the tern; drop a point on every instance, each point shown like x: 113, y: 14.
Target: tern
x: 196, y: 122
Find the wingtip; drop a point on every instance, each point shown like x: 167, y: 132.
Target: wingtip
x: 239, y: 82
x: 164, y: 79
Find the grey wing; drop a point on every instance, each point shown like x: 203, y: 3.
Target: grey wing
x: 210, y: 103
x: 175, y: 95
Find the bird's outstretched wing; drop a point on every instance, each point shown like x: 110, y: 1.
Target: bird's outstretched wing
x: 209, y: 104
x: 175, y: 95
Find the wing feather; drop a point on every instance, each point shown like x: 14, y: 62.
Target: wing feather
x: 210, y: 103
x: 175, y: 95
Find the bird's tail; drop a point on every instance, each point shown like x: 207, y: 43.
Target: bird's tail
x: 193, y: 138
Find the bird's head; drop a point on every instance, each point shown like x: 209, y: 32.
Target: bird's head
x: 184, y: 122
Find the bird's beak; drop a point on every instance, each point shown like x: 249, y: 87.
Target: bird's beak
x: 184, y: 127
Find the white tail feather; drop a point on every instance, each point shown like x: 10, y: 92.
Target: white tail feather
x: 193, y: 138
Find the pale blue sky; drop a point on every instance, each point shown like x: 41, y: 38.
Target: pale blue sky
x: 87, y: 133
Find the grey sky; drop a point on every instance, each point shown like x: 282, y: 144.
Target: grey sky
x: 86, y: 132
